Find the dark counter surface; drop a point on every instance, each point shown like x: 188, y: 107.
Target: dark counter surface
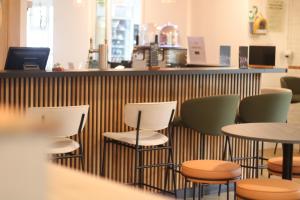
x: 162, y: 71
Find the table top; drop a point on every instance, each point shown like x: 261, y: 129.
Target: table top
x: 143, y: 71
x: 294, y: 113
x: 269, y: 132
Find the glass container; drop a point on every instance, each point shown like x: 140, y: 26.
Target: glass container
x: 169, y: 35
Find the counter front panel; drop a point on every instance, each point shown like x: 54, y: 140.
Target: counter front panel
x: 108, y: 92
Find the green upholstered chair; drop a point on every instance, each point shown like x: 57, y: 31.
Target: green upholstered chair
x: 264, y: 108
x: 271, y: 107
x: 207, y: 116
x: 292, y: 83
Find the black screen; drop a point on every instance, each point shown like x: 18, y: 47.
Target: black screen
x: 20, y: 58
x: 262, y: 55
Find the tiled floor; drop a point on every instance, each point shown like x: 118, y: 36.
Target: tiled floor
x: 268, y: 153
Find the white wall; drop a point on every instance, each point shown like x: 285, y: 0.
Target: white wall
x: 225, y: 22
x: 278, y: 39
x: 175, y: 12
x: 220, y: 22
x: 73, y: 27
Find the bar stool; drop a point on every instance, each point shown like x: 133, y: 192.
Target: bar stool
x: 70, y: 121
x: 275, y: 166
x: 147, y: 119
x: 267, y: 189
x: 207, y: 116
x: 292, y: 83
x: 268, y: 107
x: 274, y: 91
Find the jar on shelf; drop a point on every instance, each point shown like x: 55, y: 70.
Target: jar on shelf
x: 169, y: 35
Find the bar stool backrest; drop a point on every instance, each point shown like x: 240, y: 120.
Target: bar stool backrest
x: 154, y: 116
x: 272, y: 107
x: 209, y: 114
x: 274, y: 90
x: 69, y: 120
x: 292, y: 83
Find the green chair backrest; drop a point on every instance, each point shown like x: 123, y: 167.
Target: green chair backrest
x: 265, y: 108
x: 208, y: 115
x: 292, y: 83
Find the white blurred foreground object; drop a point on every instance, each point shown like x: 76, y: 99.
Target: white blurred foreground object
x: 66, y: 184
x: 22, y: 153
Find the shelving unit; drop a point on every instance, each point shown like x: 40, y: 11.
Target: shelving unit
x: 121, y: 23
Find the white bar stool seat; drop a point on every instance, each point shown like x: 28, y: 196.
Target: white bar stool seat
x: 146, y: 138
x: 70, y: 121
x: 62, y: 145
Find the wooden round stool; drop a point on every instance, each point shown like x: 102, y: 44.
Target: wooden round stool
x: 267, y: 189
x: 210, y: 172
x: 275, y: 166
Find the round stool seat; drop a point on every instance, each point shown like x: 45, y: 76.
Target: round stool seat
x: 264, y: 189
x: 275, y: 165
x: 211, y: 170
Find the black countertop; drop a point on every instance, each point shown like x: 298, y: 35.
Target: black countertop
x: 134, y: 72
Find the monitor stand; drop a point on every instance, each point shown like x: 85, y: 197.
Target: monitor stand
x: 31, y: 67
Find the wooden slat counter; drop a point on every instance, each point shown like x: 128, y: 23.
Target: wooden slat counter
x: 108, y: 91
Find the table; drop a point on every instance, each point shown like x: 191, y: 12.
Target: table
x: 285, y: 133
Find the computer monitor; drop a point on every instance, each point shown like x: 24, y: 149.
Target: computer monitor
x: 262, y: 55
x: 27, y: 58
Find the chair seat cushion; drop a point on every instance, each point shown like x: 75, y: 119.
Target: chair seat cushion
x: 211, y: 169
x: 146, y: 138
x: 265, y: 189
x: 275, y: 165
x: 62, y: 145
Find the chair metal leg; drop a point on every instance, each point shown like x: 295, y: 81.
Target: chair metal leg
x: 166, y: 178
x: 194, y: 190
x: 81, y: 152
x: 136, y: 170
x: 262, y: 158
x: 224, y: 156
x: 185, y: 187
x: 199, y: 192
x: 220, y: 188
x: 174, y: 173
x: 141, y: 170
x: 227, y: 190
x: 82, y: 162
x: 168, y: 170
x: 257, y: 160
x: 275, y: 149
x: 102, y: 171
x: 234, y: 191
